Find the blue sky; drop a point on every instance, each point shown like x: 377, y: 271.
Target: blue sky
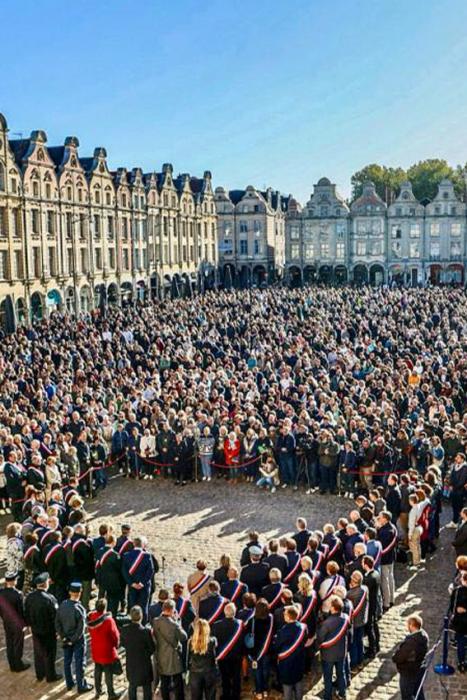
x: 260, y: 92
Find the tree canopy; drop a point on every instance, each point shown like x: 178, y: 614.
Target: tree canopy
x: 425, y: 177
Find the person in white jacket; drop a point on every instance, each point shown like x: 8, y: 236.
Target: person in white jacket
x: 52, y: 476
x: 414, y: 531
x: 147, y: 448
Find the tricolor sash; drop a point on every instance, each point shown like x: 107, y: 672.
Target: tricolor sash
x: 277, y: 598
x: 333, y: 550
x: 332, y: 585
x: 249, y: 617
x: 390, y: 546
x: 44, y: 537
x: 293, y: 571
x: 199, y: 584
x: 104, y: 557
x: 267, y: 642
x: 306, y: 612
x: 337, y: 634
x: 236, y: 591
x: 124, y: 546
x: 325, y: 550
x: 217, y: 612
x: 78, y: 542
x: 294, y: 646
x: 50, y: 554
x: 360, y: 604
x: 29, y: 551
x: 320, y: 559
x: 379, y: 555
x: 133, y: 568
x: 70, y: 494
x: 38, y: 472
x: 231, y: 643
x: 182, y: 610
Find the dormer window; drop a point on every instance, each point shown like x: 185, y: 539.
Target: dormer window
x: 446, y: 195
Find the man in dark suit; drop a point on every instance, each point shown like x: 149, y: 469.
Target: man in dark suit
x: 409, y: 657
x: 460, y: 540
x: 256, y: 574
x: 302, y: 535
x: 372, y: 581
x: 139, y: 647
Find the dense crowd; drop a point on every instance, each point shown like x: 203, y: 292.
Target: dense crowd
x: 361, y: 391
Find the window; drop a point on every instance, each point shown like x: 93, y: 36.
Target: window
x: 227, y: 248
x: 309, y: 251
x: 340, y: 250
x: 19, y: 264
x: 446, y: 195
x: 108, y: 198
x: 437, y: 210
x: 295, y: 232
x: 341, y: 228
x: 435, y: 229
x: 453, y: 211
x: 243, y: 226
x: 15, y: 222
x: 84, y: 260
x: 126, y: 259
x: 455, y: 249
x: 52, y: 262
x: 376, y: 248
x: 227, y: 228
x: 324, y: 250
x: 455, y: 229
x: 137, y: 258
x: 184, y: 254
x: 125, y: 229
x: 3, y: 226
x: 257, y: 247
x: 361, y: 248
x: 69, y: 225
x: 244, y: 247
x: 396, y: 232
x: 363, y: 226
x: 3, y: 264
x: 398, y: 211
x: 414, y: 230
x: 48, y: 191
x: 2, y: 178
x: 257, y: 226
x: 82, y: 226
x: 165, y: 256
x: 97, y: 196
x: 294, y: 251
x: 69, y: 193
x: 98, y: 254
x: 14, y: 184
x: 50, y: 223
x: 414, y: 249
x: 112, y: 258
x: 255, y: 208
x: 71, y: 261
x: 396, y: 248
x: 110, y: 226
x: 36, y: 262
x: 338, y: 211
x: 434, y: 249
x: 35, y: 220
x: 35, y: 189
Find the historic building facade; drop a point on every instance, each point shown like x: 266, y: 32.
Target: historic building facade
x: 406, y: 243
x: 74, y: 235
x: 251, y: 236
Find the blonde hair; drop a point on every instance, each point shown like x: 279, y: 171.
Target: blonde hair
x: 199, y: 642
x: 305, y: 584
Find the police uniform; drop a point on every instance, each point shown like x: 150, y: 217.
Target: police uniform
x: 40, y: 608
x: 12, y: 614
x: 256, y: 576
x: 138, y: 568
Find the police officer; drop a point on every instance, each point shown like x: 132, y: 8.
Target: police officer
x: 70, y: 624
x: 138, y: 570
x: 40, y: 608
x: 11, y: 612
x: 256, y: 574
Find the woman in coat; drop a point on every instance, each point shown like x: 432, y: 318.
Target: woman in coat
x: 202, y: 662
x: 105, y: 639
x: 206, y: 445
x: 459, y: 619
x: 232, y: 454
x: 262, y: 635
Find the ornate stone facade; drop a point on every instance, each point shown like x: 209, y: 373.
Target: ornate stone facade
x: 74, y: 235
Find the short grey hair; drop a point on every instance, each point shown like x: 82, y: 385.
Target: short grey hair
x: 136, y: 613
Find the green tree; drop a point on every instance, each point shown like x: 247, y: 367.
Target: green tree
x: 387, y: 181
x: 426, y: 175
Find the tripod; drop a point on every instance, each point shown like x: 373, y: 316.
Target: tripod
x: 302, y: 469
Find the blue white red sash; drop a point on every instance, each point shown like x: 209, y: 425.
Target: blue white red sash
x: 320, y: 559
x: 133, y: 568
x: 199, y: 584
x: 29, y: 551
x: 78, y: 542
x: 70, y: 494
x: 338, y: 634
x: 333, y: 583
x: 236, y: 591
x: 182, y: 610
x: 325, y: 550
x: 50, y: 554
x: 333, y: 550
x: 218, y: 611
x: 104, y: 557
x: 293, y: 571
x: 44, y: 537
x: 37, y: 471
x: 267, y: 642
x: 306, y: 611
x: 293, y: 647
x: 124, y: 546
x: 390, y: 546
x: 360, y: 604
x: 276, y: 598
x: 248, y: 618
x: 379, y: 554
x: 230, y: 644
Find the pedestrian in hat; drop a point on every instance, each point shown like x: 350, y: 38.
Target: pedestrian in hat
x: 70, y: 625
x: 11, y: 612
x: 40, y: 608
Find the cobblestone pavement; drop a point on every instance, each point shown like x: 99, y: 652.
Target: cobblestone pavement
x: 183, y: 524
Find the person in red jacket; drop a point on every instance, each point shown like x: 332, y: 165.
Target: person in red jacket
x: 105, y: 639
x: 232, y: 454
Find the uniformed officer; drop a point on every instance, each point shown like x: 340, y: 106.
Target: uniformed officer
x: 40, y: 608
x: 138, y: 569
x: 12, y: 614
x: 256, y: 574
x: 70, y: 624
x: 109, y: 575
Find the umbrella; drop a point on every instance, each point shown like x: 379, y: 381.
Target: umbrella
x: 228, y: 282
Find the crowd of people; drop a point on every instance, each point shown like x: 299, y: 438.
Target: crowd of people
x: 357, y: 391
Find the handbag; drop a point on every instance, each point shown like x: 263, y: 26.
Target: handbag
x: 117, y: 668
x: 250, y: 637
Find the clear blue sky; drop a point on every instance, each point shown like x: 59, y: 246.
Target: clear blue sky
x: 264, y: 92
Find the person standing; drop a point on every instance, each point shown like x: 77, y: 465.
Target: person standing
x: 328, y: 453
x: 458, y: 483
x: 169, y: 636
x: 206, y: 445
x: 260, y: 654
x: 139, y: 647
x: 109, y: 575
x: 409, y: 657
x: 202, y: 662
x: 387, y: 535
x: 12, y: 614
x: 332, y: 640
x: 358, y: 596
x: 105, y: 639
x: 372, y: 581
x: 229, y: 636
x: 286, y: 447
x: 138, y: 570
x: 289, y: 644
x: 460, y: 539
x: 40, y: 609
x: 16, y: 479
x: 70, y: 626
x: 197, y: 583
x: 458, y: 609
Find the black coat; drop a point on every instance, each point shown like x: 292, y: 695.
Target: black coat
x: 40, y: 609
x: 139, y: 646
x: 410, y: 653
x: 460, y: 540
x: 459, y: 600
x: 372, y: 581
